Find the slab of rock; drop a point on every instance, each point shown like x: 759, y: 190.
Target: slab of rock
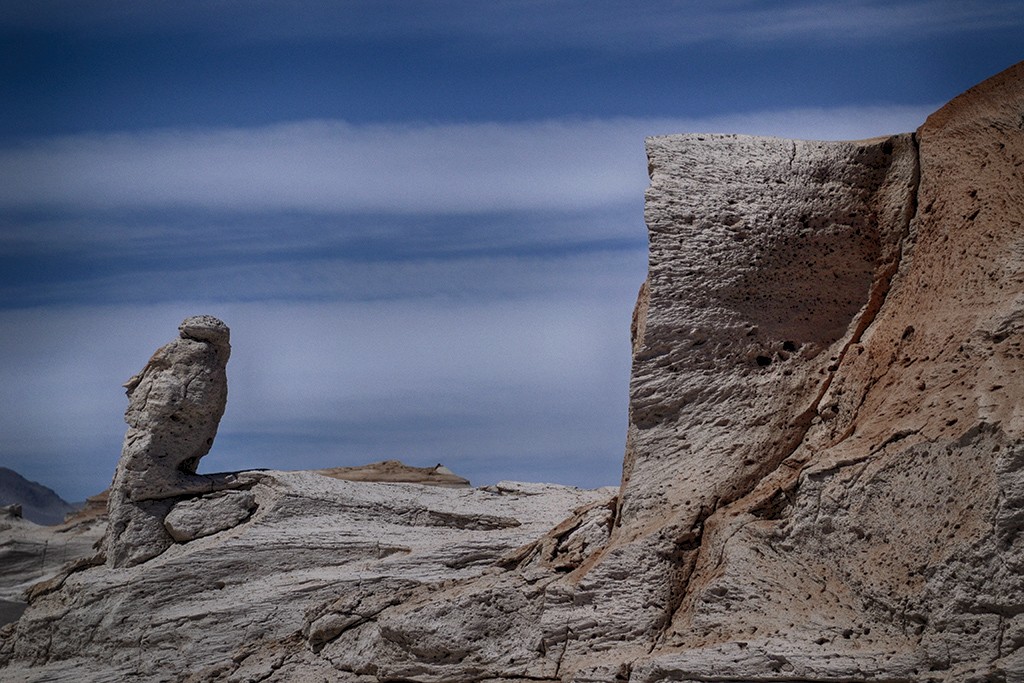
x: 197, y: 517
x: 317, y: 556
x: 30, y: 553
x: 398, y: 472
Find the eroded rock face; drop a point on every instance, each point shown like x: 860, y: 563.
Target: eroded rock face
x: 824, y: 475
x: 197, y: 517
x: 318, y: 557
x: 887, y: 543
x: 175, y: 405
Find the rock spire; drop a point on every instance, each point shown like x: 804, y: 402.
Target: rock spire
x: 174, y: 408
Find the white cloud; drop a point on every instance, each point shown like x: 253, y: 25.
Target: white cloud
x: 532, y: 387
x: 332, y: 166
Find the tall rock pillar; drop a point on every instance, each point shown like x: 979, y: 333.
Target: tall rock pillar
x: 175, y: 406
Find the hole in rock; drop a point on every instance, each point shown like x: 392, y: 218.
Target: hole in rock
x: 763, y: 361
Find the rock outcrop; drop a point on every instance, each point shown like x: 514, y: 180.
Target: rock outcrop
x: 823, y: 481
x: 30, y: 553
x: 175, y: 406
x: 317, y: 557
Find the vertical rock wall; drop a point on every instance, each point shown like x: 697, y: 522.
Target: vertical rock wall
x: 886, y: 544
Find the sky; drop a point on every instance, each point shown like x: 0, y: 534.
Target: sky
x: 421, y: 219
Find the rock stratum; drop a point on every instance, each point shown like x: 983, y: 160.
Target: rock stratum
x: 823, y: 480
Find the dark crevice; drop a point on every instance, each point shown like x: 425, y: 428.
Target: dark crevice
x: 880, y: 290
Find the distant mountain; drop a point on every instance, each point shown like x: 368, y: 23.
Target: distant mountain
x: 38, y: 503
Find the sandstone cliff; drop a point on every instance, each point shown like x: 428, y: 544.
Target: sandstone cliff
x: 824, y: 474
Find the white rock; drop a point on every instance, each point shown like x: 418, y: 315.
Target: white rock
x: 197, y: 517
x: 175, y: 406
x: 317, y: 554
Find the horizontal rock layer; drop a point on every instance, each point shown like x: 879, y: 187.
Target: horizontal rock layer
x: 295, y: 568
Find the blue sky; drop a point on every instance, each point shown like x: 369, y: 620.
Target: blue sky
x: 422, y: 220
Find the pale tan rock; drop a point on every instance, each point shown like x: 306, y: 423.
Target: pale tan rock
x: 398, y: 472
x: 266, y: 595
x: 215, y: 512
x: 30, y: 553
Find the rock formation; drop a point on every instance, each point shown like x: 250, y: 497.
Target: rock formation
x: 175, y: 405
x: 823, y: 481
x: 318, y: 556
x: 30, y: 553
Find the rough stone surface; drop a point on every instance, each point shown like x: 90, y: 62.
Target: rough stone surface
x: 197, y: 517
x: 175, y: 405
x: 30, y: 553
x: 317, y: 557
x: 823, y: 481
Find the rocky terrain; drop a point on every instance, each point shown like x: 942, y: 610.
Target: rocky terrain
x: 823, y: 478
x: 30, y: 553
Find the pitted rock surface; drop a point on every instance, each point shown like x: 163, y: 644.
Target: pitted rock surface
x: 174, y: 408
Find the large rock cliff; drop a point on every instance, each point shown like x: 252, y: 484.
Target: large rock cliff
x: 823, y: 481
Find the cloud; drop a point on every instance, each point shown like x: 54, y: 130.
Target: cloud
x: 333, y: 166
x: 113, y: 259
x: 530, y: 389
x: 380, y: 305
x: 594, y: 24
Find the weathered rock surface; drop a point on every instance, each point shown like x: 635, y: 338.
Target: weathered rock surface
x: 317, y: 557
x: 175, y: 405
x: 197, y: 517
x: 30, y: 553
x: 824, y: 474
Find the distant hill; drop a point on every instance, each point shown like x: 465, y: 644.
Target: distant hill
x: 38, y: 503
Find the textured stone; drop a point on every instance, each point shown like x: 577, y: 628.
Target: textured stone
x: 197, y: 517
x: 30, y: 553
x: 823, y: 481
x: 175, y: 405
x: 399, y: 473
x: 318, y: 556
